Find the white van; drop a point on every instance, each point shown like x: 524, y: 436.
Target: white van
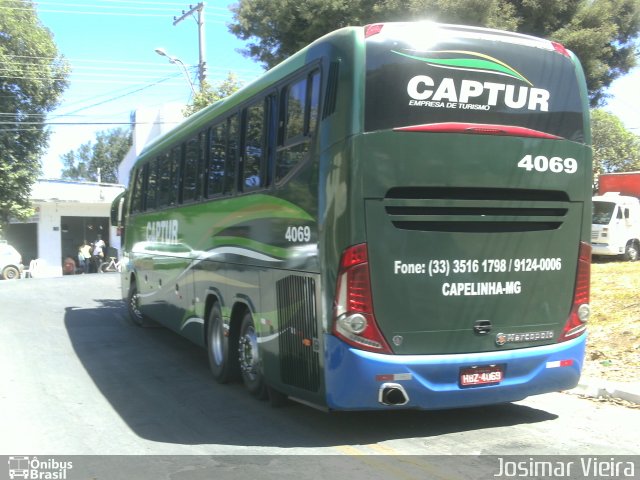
x: 615, y: 226
x: 10, y: 262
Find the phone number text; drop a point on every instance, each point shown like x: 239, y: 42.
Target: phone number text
x: 446, y: 267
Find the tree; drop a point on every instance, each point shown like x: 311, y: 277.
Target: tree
x: 32, y: 78
x: 615, y: 149
x: 602, y: 33
x: 104, y: 155
x: 208, y: 94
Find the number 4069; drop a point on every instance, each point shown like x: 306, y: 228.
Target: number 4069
x: 540, y: 163
x: 298, y: 234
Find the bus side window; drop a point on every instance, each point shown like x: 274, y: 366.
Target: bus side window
x: 192, y: 162
x: 137, y: 194
x: 299, y: 120
x: 176, y: 160
x: 231, y: 166
x: 167, y: 191
x: 313, y: 105
x: 151, y: 169
x: 254, y: 134
x: 217, y: 159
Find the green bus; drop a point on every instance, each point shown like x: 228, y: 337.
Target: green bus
x: 396, y: 217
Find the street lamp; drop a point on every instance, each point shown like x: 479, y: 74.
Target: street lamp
x: 177, y: 61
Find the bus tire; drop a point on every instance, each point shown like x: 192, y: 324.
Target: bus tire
x: 224, y: 366
x: 249, y: 358
x: 135, y: 315
x: 631, y: 251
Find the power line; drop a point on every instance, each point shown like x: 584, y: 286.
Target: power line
x: 80, y: 123
x: 105, y: 7
x: 117, y: 14
x: 123, y: 95
x: 171, y: 4
x: 35, y: 127
x: 76, y: 61
x: 113, y: 65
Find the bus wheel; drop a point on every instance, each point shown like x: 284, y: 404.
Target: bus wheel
x: 631, y: 251
x: 223, y: 366
x: 134, y: 309
x: 249, y: 358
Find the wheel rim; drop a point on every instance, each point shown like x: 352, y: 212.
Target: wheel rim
x: 248, y: 354
x: 217, y: 342
x: 133, y: 305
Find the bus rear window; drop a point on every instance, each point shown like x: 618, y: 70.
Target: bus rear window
x: 458, y: 78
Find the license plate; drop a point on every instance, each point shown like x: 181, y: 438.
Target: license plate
x: 484, y: 375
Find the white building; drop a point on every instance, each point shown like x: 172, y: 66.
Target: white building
x: 67, y: 214
x: 148, y: 123
x: 71, y: 212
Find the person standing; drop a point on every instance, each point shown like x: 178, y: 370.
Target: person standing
x: 98, y: 252
x: 84, y: 256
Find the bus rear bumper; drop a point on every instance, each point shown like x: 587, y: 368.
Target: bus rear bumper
x: 354, y: 378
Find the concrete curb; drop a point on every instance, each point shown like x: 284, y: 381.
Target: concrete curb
x: 598, y: 388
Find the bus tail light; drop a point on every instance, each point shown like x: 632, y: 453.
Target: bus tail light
x: 372, y: 29
x: 577, y: 323
x: 558, y: 47
x: 477, y: 129
x: 354, y: 321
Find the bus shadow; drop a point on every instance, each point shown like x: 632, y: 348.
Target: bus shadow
x: 159, y: 384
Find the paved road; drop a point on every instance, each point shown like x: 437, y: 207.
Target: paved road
x: 77, y: 378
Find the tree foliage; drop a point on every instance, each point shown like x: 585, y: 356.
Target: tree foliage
x: 32, y: 79
x: 602, y: 33
x: 105, y: 154
x: 615, y: 149
x: 209, y: 94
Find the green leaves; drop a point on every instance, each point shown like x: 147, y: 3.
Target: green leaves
x: 208, y: 94
x: 602, y: 33
x: 32, y: 78
x: 104, y: 155
x: 615, y: 149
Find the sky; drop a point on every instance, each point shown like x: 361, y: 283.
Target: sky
x: 110, y: 46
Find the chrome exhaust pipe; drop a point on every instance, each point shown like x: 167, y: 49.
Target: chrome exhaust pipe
x: 392, y: 394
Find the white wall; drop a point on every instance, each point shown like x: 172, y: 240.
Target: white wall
x: 58, y: 198
x: 150, y: 123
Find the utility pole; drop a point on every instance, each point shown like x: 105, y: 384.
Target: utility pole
x: 202, y: 64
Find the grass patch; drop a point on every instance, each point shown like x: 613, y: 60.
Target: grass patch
x: 613, y: 345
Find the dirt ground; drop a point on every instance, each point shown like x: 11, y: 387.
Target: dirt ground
x: 613, y: 344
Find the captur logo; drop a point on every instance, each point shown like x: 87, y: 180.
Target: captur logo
x: 455, y: 92
x: 468, y: 61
